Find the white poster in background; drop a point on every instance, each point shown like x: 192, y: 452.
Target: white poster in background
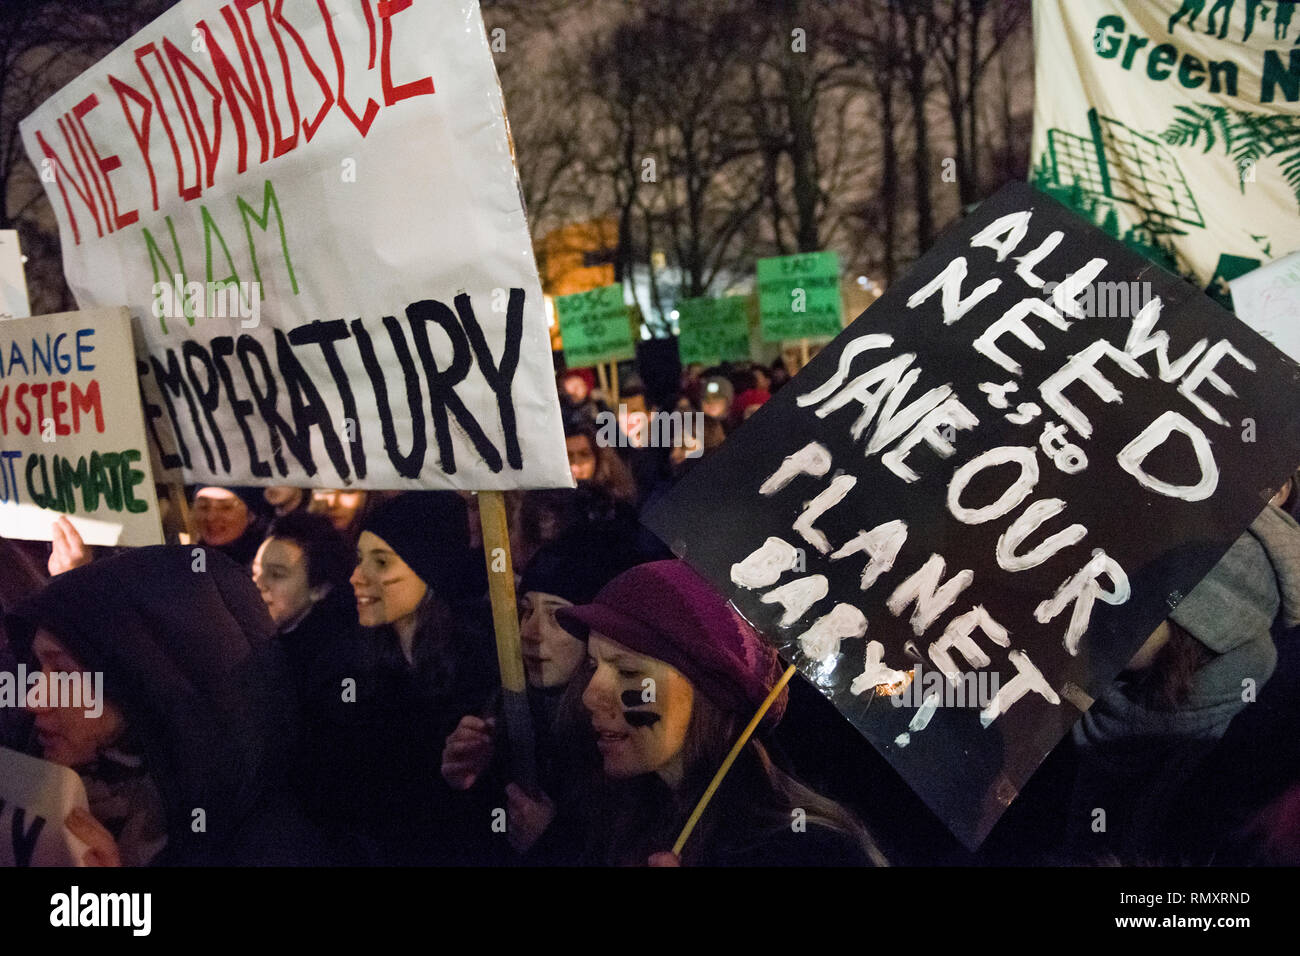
x: 72, y: 438
x: 1173, y: 125
x: 1268, y: 300
x: 312, y: 210
x: 36, y: 796
x: 13, y: 280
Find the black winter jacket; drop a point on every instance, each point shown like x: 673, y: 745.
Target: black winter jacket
x: 185, y: 646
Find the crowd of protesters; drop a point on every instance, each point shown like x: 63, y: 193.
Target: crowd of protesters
x: 314, y: 674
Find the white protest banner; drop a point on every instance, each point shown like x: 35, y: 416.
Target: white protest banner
x: 1174, y: 125
x: 36, y: 796
x: 1268, y: 300
x: 71, y: 431
x: 13, y: 280
x: 313, y: 213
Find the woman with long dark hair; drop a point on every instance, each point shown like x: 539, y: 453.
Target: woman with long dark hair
x: 599, y: 464
x: 424, y: 658
x: 570, y: 570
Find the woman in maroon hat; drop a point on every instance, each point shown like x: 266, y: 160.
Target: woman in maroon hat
x: 673, y: 675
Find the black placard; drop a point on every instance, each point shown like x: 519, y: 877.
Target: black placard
x: 1214, y: 396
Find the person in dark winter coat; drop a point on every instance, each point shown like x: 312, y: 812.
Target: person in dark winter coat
x: 570, y: 570
x: 425, y: 657
x: 673, y: 674
x: 302, y: 571
x: 183, y: 765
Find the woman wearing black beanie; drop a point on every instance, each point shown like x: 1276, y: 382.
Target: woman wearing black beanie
x: 425, y: 657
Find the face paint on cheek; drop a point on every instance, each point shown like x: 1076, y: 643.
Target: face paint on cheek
x: 632, y: 698
x: 637, y: 718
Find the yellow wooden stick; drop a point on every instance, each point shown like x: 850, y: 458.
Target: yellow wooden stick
x: 505, y: 619
x: 176, y: 495
x: 731, y: 758
x: 501, y: 588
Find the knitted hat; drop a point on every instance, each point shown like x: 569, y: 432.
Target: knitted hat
x: 253, y: 499
x: 429, y: 530
x: 665, y: 610
x: 583, y: 559
x: 751, y: 396
x: 1243, y: 594
x: 718, y: 386
x: 587, y: 375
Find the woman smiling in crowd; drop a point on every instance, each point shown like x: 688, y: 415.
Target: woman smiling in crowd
x: 673, y: 674
x: 231, y: 520
x: 425, y: 657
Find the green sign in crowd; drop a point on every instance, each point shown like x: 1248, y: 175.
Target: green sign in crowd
x: 595, y: 327
x: 799, y: 296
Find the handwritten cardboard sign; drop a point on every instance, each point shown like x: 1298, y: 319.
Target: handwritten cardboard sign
x: 713, y: 330
x: 595, y: 327
x: 36, y: 796
x: 799, y: 296
x: 981, y: 498
x: 72, y: 436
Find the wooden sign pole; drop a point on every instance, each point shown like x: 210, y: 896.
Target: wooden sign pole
x: 176, y: 495
x: 613, y: 384
x: 731, y: 758
x: 505, y: 620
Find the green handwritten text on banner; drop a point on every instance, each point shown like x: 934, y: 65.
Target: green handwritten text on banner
x: 72, y: 433
x: 713, y: 330
x: 799, y: 296
x: 595, y: 327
